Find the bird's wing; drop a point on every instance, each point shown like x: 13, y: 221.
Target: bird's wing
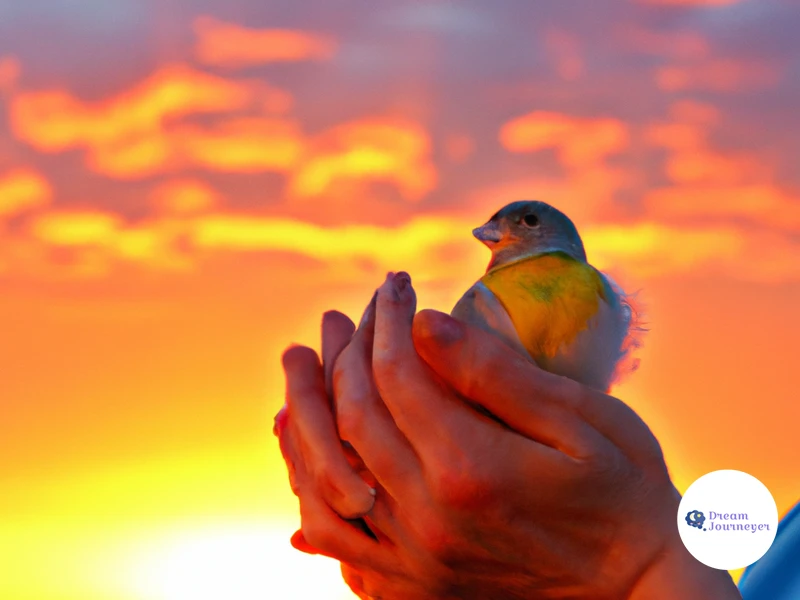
x: 480, y: 307
x: 602, y: 354
x: 631, y: 328
x: 565, y: 316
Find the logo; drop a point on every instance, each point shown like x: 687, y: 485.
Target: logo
x: 695, y: 519
x: 727, y: 519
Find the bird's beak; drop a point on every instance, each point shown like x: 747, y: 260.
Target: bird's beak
x: 489, y: 234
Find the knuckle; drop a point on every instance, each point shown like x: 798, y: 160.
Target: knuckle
x: 471, y: 383
x: 464, y: 484
x: 324, y: 469
x: 384, y: 368
x: 570, y: 393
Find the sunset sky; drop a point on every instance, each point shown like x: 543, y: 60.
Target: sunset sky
x: 186, y: 185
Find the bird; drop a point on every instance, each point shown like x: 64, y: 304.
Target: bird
x: 541, y: 296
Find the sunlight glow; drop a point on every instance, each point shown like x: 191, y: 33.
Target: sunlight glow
x: 239, y: 562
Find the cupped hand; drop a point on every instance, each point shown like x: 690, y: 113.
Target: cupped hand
x: 561, y: 493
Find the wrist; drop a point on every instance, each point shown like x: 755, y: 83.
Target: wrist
x: 676, y: 574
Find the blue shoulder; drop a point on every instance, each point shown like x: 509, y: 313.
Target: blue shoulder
x: 776, y: 575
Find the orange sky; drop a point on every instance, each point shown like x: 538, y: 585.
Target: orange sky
x: 172, y: 218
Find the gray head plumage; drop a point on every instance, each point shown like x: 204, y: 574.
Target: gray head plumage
x: 527, y: 228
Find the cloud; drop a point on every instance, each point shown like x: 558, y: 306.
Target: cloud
x: 691, y: 159
x: 640, y: 250
x: 237, y: 145
x: 712, y: 167
x: 674, y: 44
x: 414, y: 238
x: 139, y: 132
x: 92, y: 242
x: 459, y: 147
x: 693, y: 112
x: 22, y: 190
x: 724, y: 192
x: 717, y: 75
x: 718, y: 3
x: 569, y: 194
x: 185, y: 196
x: 369, y: 149
x: 652, y: 249
x: 55, y: 120
x: 143, y: 132
x: 438, y: 247
x: 79, y: 228
x: 233, y: 46
x: 10, y: 70
x: 146, y: 131
x: 564, y: 49
x: 761, y: 203
x: 580, y: 142
x: 440, y: 18
x: 588, y: 186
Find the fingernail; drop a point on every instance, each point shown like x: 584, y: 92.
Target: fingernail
x: 401, y: 286
x: 445, y: 329
x: 354, y: 503
x: 401, y: 282
x: 397, y: 287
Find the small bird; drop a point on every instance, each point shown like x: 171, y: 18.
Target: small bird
x: 541, y: 296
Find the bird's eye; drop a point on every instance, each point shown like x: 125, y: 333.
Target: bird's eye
x: 531, y: 220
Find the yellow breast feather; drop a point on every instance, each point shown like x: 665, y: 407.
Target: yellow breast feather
x: 550, y: 298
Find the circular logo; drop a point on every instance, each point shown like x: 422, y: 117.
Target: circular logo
x: 727, y: 519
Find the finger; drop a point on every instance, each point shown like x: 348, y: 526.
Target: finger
x: 312, y: 420
x: 354, y: 581
x: 542, y: 406
x: 365, y: 421
x: 322, y: 518
x: 299, y: 542
x: 368, y: 585
x: 425, y: 410
x: 385, y: 520
x: 303, y: 487
x: 288, y: 447
x: 324, y: 531
x: 337, y: 329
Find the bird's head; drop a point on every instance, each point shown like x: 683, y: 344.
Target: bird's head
x: 528, y: 228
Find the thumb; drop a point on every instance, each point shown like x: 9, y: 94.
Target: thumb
x: 482, y: 368
x: 551, y: 409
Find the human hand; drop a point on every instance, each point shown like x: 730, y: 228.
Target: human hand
x: 569, y: 499
x: 328, y: 470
